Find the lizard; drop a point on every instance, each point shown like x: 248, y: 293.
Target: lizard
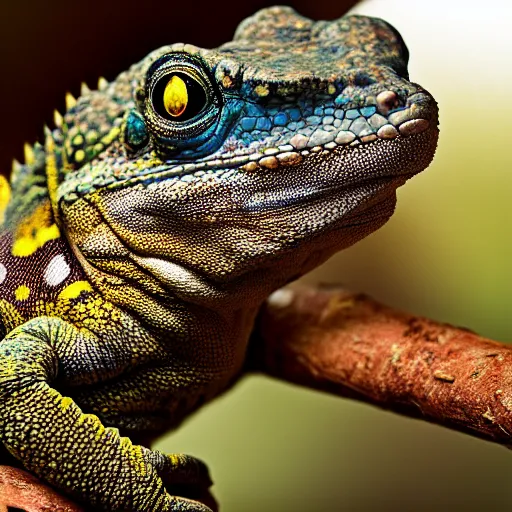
x: 140, y: 240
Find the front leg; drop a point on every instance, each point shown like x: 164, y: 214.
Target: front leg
x: 71, y: 450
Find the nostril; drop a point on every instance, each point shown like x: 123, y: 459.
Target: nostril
x: 363, y: 80
x: 387, y: 101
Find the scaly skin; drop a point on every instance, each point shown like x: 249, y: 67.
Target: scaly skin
x: 139, y: 244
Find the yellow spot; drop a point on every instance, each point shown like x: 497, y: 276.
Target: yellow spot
x: 78, y: 140
x: 227, y: 82
x: 5, y: 195
x: 331, y: 89
x: 79, y: 155
x: 22, y: 292
x: 175, y: 96
x: 24, y: 247
x: 66, y: 402
x: 91, y: 137
x: 261, y: 90
x: 27, y: 245
x: 46, y: 234
x: 73, y: 290
x: 111, y: 135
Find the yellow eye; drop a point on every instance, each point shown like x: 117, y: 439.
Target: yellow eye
x: 179, y: 96
x: 175, y: 96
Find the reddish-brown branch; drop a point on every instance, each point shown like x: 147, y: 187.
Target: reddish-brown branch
x: 23, y: 491
x: 350, y: 345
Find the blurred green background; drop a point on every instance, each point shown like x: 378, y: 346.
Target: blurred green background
x: 446, y: 254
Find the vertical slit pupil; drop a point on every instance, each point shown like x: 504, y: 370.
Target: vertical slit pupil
x: 178, y: 97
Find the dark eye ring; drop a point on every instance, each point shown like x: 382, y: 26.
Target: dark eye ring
x: 178, y: 96
x: 181, y: 101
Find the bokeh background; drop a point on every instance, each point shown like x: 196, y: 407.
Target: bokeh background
x: 446, y: 254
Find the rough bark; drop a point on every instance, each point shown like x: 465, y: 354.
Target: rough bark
x: 22, y: 491
x: 351, y: 346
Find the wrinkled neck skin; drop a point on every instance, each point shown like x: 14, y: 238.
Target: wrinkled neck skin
x: 200, y: 268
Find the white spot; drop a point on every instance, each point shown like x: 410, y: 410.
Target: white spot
x: 3, y: 273
x: 57, y: 270
x: 281, y: 298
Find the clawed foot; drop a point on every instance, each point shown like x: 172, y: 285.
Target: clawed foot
x: 186, y: 479
x: 180, y: 504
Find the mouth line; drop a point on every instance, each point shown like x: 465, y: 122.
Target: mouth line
x: 344, y: 129
x: 271, y: 160
x: 280, y: 199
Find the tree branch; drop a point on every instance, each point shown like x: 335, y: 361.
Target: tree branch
x: 23, y: 491
x: 352, y: 346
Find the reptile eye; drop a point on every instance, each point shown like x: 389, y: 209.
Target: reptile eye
x: 175, y: 96
x: 178, y: 97
x: 181, y: 104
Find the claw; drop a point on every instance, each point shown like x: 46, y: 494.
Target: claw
x: 186, y: 505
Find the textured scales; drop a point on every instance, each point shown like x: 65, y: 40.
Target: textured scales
x: 139, y: 242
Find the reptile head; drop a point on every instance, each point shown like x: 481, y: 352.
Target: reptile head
x: 256, y: 160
